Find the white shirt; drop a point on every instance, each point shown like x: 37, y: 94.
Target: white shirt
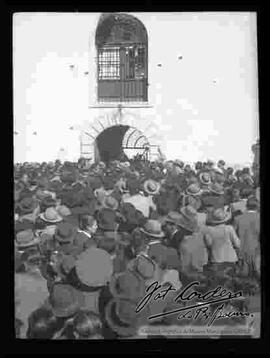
x: 141, y: 203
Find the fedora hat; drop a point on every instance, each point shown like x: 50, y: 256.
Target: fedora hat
x: 26, y: 238
x: 127, y: 284
x: 48, y: 201
x: 65, y: 300
x: 152, y: 228
x: 122, y: 318
x: 193, y: 189
x: 110, y: 203
x: 189, y: 212
x: 151, y: 187
x: 219, y: 216
x: 27, y: 205
x: 216, y: 188
x: 51, y: 216
x: 65, y: 233
x: 205, y: 178
x: 94, y: 267
x: 106, y: 219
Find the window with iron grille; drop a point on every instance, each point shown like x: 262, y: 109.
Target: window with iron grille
x: 122, y: 60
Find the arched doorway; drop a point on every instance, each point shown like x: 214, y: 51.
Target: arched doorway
x: 120, y: 142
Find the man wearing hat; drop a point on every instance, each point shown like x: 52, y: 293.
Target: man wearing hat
x: 140, y: 202
x: 247, y: 226
x: 221, y: 241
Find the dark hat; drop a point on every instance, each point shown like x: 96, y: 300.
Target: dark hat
x: 252, y: 202
x: 127, y: 284
x: 27, y: 205
x: 94, y: 182
x: 122, y: 317
x: 48, y: 202
x: 106, y: 219
x: 65, y: 233
x: 133, y: 184
x: 172, y: 217
x: 70, y: 199
x: 65, y: 300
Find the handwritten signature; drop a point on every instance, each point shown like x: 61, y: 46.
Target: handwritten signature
x: 214, y: 296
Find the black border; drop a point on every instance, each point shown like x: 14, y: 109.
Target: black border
x: 224, y: 346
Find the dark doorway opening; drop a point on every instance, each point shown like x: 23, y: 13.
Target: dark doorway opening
x: 109, y: 144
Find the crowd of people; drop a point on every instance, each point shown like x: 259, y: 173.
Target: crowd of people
x: 91, y: 238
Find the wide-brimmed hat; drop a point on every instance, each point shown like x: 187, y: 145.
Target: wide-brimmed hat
x: 122, y: 317
x: 51, y: 216
x: 27, y: 205
x: 106, y: 219
x: 110, y: 203
x: 219, y: 216
x: 133, y: 184
x: 193, y: 189
x: 152, y: 228
x: 65, y: 300
x: 94, y: 267
x: 216, y: 188
x: 65, y: 233
x: 189, y: 212
x: 151, y: 187
x: 26, y: 238
x: 205, y: 178
x: 127, y: 284
x: 188, y: 224
x: 70, y: 199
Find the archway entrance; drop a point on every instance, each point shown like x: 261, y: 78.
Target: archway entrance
x: 120, y: 142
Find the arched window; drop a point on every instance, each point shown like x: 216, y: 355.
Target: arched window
x: 122, y: 51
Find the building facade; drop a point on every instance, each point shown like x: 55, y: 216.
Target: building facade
x: 100, y: 85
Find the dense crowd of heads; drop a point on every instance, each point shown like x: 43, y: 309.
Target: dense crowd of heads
x: 93, y: 236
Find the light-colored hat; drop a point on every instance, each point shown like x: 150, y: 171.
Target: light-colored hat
x: 153, y: 228
x: 151, y: 187
x: 219, y: 216
x: 205, y: 178
x: 26, y: 238
x: 110, y: 203
x: 51, y: 216
x: 63, y: 210
x: 94, y: 267
x: 193, y: 189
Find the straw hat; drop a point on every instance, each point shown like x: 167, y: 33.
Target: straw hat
x: 51, y: 216
x: 205, y: 178
x: 193, y: 189
x: 151, y: 187
x: 94, y: 267
x: 26, y: 238
x: 63, y: 211
x: 110, y: 203
x: 152, y: 228
x: 219, y: 216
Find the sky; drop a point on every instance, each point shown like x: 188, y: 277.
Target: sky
x: 205, y: 105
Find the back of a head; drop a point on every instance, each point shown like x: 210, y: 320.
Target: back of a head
x: 252, y: 203
x: 87, y: 325
x: 43, y: 324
